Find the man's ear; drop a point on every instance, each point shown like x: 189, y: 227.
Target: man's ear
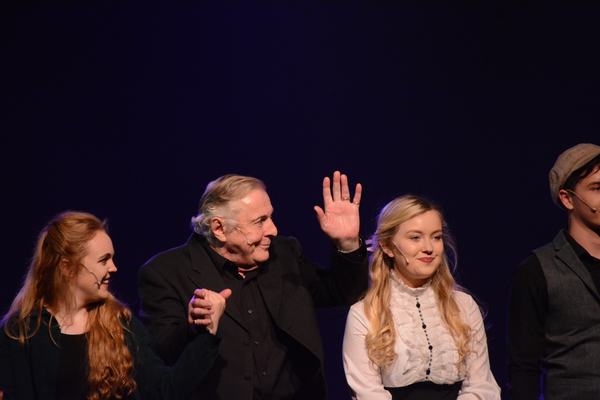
x: 217, y: 226
x: 566, y: 199
x: 386, y: 249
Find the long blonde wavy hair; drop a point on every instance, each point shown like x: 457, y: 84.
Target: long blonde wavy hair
x: 109, y: 362
x: 381, y: 336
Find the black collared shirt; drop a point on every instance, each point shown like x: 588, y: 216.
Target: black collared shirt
x: 274, y: 376
x: 527, y: 310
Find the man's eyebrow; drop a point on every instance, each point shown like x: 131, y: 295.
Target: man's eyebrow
x: 265, y: 216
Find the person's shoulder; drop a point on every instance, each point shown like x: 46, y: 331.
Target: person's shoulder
x: 358, y: 306
x: 465, y: 298
x: 10, y: 322
x: 530, y: 268
x: 166, y: 258
x: 285, y: 244
x: 285, y: 241
x: 357, y: 312
x: 134, y: 324
x: 133, y: 328
x: 473, y: 311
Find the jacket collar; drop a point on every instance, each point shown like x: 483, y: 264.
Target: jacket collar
x: 206, y: 272
x: 566, y: 254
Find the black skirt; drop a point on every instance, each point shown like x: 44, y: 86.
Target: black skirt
x: 425, y: 391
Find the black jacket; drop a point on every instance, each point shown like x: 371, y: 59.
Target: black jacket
x: 30, y: 372
x: 292, y: 288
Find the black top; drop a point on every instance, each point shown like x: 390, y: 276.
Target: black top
x: 72, y: 374
x: 31, y: 372
x: 291, y: 287
x: 527, y: 310
x: 274, y: 374
x: 426, y: 391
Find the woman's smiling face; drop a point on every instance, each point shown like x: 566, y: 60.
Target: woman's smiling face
x: 417, y: 248
x: 91, y: 283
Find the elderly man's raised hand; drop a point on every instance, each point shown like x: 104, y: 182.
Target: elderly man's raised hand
x: 340, y: 219
x: 205, y: 308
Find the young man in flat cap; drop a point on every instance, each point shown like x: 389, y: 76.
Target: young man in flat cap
x: 554, y: 303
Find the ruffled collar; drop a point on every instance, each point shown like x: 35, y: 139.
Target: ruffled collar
x: 403, y: 287
x: 425, y: 348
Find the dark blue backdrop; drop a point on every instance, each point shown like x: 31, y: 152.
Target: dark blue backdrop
x: 128, y: 110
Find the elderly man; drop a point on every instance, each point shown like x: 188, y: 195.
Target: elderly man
x: 554, y: 305
x: 272, y: 346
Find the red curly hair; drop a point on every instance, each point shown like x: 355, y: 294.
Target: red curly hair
x: 109, y: 362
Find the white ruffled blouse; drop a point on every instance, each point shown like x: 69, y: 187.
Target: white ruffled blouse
x: 424, y: 345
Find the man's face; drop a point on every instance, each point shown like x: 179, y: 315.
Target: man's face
x: 588, y: 191
x: 249, y: 234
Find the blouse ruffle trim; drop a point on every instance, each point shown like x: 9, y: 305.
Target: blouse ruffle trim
x: 408, y: 325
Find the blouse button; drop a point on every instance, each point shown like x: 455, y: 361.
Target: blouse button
x: 428, y: 371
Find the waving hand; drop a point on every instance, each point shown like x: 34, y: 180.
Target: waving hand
x: 340, y: 219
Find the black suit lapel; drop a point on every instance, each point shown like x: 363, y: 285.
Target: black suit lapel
x: 270, y: 284
x: 204, y: 274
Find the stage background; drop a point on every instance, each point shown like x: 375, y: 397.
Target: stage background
x: 127, y: 110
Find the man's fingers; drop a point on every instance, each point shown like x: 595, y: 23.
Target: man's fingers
x: 225, y: 293
x: 326, y: 191
x: 337, y: 195
x: 357, y: 194
x: 202, y: 321
x: 345, y: 189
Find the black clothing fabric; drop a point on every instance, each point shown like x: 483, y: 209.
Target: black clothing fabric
x: 71, y: 375
x: 283, y: 292
x: 426, y: 391
x: 30, y: 372
x: 527, y: 321
x: 272, y: 374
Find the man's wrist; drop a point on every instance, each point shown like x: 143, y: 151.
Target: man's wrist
x: 350, y: 246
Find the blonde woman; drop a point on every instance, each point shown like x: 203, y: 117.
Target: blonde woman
x: 67, y: 337
x: 415, y: 334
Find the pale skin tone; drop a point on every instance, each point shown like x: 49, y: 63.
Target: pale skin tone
x: 205, y: 308
x: 92, y: 281
x: 246, y: 236
x: 86, y: 290
x: 584, y: 224
x: 417, y: 248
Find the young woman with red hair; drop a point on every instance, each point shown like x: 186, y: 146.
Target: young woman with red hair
x: 67, y: 337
